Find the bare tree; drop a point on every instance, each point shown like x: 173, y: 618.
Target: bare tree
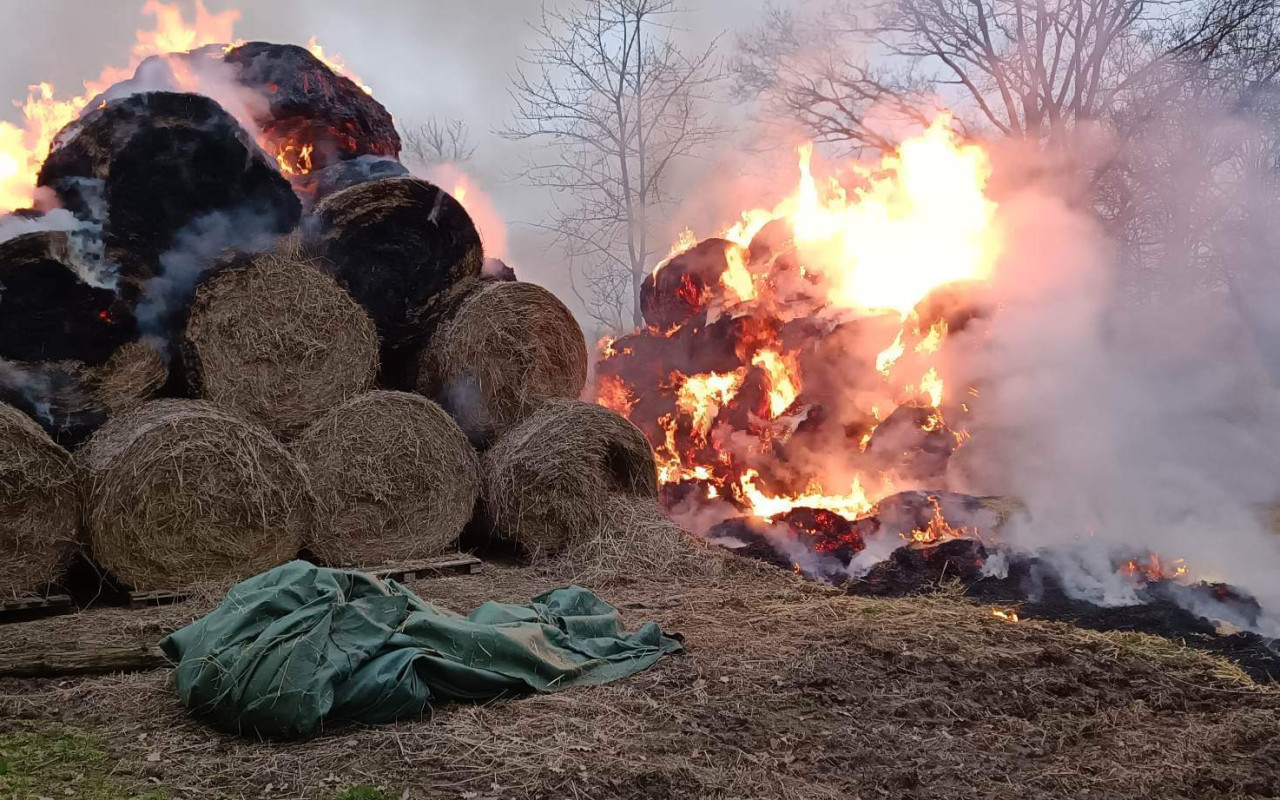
x: 614, y: 104
x: 436, y: 142
x: 1027, y: 69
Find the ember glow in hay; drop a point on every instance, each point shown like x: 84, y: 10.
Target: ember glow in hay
x: 180, y: 492
x: 508, y: 346
x: 38, y: 506
x: 395, y: 477
x: 274, y: 338
x: 552, y: 480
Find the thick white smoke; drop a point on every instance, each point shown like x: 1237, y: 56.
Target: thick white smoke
x: 1125, y: 422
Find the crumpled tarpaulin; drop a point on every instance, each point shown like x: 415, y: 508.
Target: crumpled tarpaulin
x: 293, y: 647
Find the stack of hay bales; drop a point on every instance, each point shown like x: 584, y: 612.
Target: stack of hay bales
x: 285, y: 427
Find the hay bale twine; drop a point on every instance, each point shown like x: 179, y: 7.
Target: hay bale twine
x: 507, y: 347
x: 38, y: 493
x: 133, y: 375
x: 395, y: 478
x: 180, y: 492
x: 557, y: 479
x: 278, y: 341
x: 396, y: 244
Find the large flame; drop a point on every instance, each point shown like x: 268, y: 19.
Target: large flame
x: 878, y: 241
x: 23, y: 149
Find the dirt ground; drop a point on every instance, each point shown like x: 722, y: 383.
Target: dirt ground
x: 788, y: 689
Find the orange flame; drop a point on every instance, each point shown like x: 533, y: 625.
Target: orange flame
x: 23, y: 149
x: 783, y: 373
x: 336, y: 64
x: 850, y: 506
x: 1008, y: 615
x: 702, y: 396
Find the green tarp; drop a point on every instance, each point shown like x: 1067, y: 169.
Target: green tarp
x: 293, y: 647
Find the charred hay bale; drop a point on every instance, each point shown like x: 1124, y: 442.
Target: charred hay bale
x: 555, y: 480
x: 48, y: 311
x: 508, y: 346
x: 677, y: 290
x: 167, y: 163
x: 57, y: 395
x: 38, y: 494
x: 396, y: 244
x: 341, y: 175
x: 309, y: 103
x: 180, y: 492
x: 132, y: 376
x: 276, y: 340
x: 395, y: 477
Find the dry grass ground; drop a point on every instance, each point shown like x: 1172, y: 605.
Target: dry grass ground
x: 788, y: 690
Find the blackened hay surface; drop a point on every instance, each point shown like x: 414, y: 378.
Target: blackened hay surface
x: 180, y: 492
x: 507, y: 347
x: 395, y: 477
x: 276, y: 339
x: 788, y: 690
x: 396, y: 244
x: 38, y: 501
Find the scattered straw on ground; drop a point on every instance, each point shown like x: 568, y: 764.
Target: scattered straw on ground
x: 278, y: 341
x: 787, y: 690
x: 395, y: 477
x: 38, y: 491
x: 557, y: 479
x: 181, y: 492
x: 508, y: 346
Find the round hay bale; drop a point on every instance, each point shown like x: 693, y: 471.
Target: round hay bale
x: 395, y: 478
x: 508, y: 346
x: 396, y: 244
x: 57, y: 395
x: 180, y: 492
x: 133, y: 375
x: 278, y: 341
x: 38, y: 493
x: 555, y: 480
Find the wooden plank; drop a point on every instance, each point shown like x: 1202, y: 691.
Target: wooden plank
x: 22, y: 609
x: 53, y: 664
x: 457, y: 563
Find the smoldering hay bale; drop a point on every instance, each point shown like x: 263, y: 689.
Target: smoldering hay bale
x: 395, y: 477
x: 180, y: 492
x: 396, y: 244
x: 508, y: 346
x: 277, y: 340
x: 556, y: 480
x: 38, y: 505
x: 153, y: 166
x: 48, y: 311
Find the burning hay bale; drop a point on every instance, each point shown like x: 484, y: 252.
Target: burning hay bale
x: 38, y: 493
x: 277, y: 340
x: 506, y: 347
x: 395, y: 477
x: 554, y: 481
x: 152, y: 165
x: 397, y: 243
x: 180, y: 492
x: 682, y: 287
x: 309, y: 105
x: 48, y: 311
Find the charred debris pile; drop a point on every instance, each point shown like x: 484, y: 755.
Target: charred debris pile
x: 236, y: 330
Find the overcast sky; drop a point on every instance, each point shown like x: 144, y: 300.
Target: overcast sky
x: 448, y: 58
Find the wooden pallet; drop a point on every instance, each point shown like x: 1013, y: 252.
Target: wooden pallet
x: 27, y: 608
x: 454, y: 563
